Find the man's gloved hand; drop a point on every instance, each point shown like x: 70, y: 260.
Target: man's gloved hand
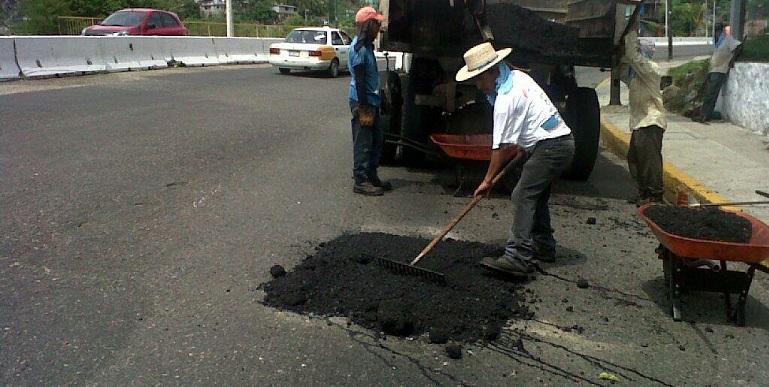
x: 366, y: 116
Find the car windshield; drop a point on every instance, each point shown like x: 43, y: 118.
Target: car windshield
x: 307, y: 36
x: 124, y: 18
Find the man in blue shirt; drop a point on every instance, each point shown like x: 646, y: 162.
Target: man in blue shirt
x: 365, y: 102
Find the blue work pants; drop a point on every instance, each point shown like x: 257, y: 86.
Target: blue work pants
x: 367, y: 146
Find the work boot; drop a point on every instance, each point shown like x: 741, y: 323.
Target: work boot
x: 368, y: 189
x: 515, y: 266
x: 544, y: 255
x: 384, y: 185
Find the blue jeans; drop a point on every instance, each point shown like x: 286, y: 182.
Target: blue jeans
x: 531, y: 221
x: 366, y: 145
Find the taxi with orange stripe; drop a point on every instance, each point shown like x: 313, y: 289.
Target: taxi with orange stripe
x: 312, y: 49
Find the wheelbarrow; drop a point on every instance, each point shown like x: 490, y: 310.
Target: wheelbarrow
x: 463, y: 148
x: 701, y: 265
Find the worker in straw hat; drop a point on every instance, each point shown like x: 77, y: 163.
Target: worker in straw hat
x: 525, y: 120
x: 365, y: 104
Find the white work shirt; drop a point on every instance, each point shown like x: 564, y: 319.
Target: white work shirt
x: 646, y: 106
x: 723, y: 53
x: 520, y: 114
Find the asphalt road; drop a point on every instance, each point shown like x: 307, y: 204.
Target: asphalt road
x: 143, y: 210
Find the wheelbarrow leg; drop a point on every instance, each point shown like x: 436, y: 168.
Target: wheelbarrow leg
x: 739, y: 310
x: 674, y: 287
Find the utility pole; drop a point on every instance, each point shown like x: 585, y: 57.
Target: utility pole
x: 668, y: 31
x: 230, y: 27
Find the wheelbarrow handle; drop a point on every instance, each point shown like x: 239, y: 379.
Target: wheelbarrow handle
x: 730, y: 204
x: 762, y: 193
x: 467, y: 208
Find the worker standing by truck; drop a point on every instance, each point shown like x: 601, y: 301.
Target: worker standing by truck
x: 365, y: 102
x: 647, y: 118
x: 525, y: 120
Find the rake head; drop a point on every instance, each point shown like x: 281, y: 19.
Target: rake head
x: 405, y: 268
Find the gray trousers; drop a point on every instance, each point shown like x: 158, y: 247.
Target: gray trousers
x: 531, y: 222
x: 644, y: 160
x: 712, y: 87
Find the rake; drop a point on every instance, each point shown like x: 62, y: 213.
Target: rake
x: 410, y: 268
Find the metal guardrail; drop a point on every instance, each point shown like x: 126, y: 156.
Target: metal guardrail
x: 72, y: 25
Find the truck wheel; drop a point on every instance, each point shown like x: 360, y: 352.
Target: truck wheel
x: 411, y: 128
x: 284, y: 70
x: 391, y: 122
x: 585, y: 123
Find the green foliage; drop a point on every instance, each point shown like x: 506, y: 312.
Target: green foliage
x: 297, y: 20
x: 688, y: 80
x: 755, y: 49
x: 687, y: 18
x: 687, y: 69
x: 41, y: 16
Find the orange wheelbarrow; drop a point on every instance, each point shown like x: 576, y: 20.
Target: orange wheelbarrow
x: 701, y: 265
x: 465, y: 148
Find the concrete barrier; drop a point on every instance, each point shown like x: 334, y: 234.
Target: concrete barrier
x: 746, y: 96
x: 8, y: 67
x: 193, y: 51
x: 240, y: 50
x: 51, y: 56
x: 133, y: 53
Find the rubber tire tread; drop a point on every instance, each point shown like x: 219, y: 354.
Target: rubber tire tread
x: 585, y: 111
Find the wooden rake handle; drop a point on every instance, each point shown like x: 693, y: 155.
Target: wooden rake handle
x: 468, y: 207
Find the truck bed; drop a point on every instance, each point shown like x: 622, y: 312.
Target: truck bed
x: 576, y: 32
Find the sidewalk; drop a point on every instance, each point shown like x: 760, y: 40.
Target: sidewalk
x: 716, y: 162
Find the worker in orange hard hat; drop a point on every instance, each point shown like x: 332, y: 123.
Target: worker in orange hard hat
x: 366, y: 100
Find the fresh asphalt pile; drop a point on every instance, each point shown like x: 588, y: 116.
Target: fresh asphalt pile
x: 344, y: 279
x: 711, y: 224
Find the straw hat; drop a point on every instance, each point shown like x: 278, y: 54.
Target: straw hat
x: 479, y: 59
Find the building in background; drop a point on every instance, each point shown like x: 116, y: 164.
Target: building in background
x: 285, y: 11
x: 212, y: 8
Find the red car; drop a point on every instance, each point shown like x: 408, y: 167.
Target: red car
x: 138, y: 21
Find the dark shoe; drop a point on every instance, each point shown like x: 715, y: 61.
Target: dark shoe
x: 544, y: 255
x: 368, y: 189
x: 509, y: 266
x: 637, y: 200
x: 384, y: 185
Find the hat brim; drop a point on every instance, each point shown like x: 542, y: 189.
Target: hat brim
x: 464, y: 74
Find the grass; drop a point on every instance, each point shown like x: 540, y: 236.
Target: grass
x: 688, y: 79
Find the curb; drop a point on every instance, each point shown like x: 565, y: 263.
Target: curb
x: 617, y: 141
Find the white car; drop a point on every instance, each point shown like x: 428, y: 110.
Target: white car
x: 312, y: 49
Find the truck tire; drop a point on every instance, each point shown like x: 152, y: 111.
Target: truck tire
x: 585, y: 123
x: 411, y: 128
x: 391, y: 122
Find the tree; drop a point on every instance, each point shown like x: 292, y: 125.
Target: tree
x: 41, y: 16
x: 687, y: 18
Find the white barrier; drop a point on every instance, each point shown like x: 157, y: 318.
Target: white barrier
x: 133, y: 53
x: 8, y: 67
x: 746, y: 96
x: 50, y: 56
x: 193, y: 51
x: 239, y: 50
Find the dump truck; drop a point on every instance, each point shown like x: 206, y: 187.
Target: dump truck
x: 549, y: 39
